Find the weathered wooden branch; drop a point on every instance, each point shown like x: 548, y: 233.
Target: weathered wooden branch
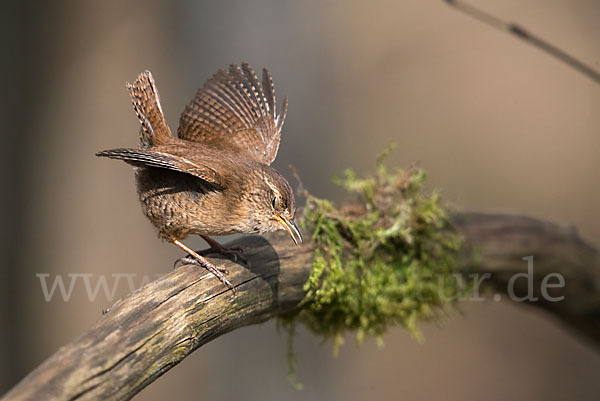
x: 502, y: 241
x: 154, y: 328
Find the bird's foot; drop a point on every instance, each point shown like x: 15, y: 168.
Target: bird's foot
x: 215, y: 248
x: 199, y: 260
x: 234, y: 252
x: 190, y: 260
x: 218, y: 272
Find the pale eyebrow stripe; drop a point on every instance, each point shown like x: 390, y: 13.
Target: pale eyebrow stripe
x: 273, y: 187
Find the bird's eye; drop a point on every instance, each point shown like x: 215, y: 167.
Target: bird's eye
x: 275, y: 202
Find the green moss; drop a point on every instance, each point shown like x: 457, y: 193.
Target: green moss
x: 390, y: 258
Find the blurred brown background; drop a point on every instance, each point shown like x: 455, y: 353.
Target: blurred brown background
x: 499, y: 125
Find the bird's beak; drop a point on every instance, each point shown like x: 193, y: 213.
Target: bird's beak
x: 291, y: 227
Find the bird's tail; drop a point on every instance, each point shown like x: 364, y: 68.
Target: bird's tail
x: 146, y: 103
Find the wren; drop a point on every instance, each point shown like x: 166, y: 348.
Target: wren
x: 214, y: 178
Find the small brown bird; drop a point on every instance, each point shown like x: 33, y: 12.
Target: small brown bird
x: 215, y: 177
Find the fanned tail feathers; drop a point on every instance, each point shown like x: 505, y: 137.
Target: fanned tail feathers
x: 146, y: 103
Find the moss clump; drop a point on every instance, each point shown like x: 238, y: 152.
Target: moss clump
x: 390, y: 258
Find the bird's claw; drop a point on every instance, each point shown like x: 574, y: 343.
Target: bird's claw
x: 219, y: 272
x: 235, y: 252
x: 190, y: 260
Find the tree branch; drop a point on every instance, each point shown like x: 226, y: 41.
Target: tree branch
x: 502, y: 241
x: 151, y: 330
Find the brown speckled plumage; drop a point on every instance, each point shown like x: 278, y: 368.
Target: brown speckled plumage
x: 215, y: 177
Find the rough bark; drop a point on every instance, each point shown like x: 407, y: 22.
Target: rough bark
x: 151, y: 330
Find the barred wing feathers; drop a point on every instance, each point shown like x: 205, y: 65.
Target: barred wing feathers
x: 234, y: 108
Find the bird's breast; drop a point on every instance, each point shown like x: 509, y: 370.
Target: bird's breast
x: 180, y: 204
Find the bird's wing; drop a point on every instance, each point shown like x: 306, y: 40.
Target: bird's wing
x: 168, y: 161
x: 233, y: 107
x: 146, y: 103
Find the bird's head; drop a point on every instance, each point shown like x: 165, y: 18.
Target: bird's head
x: 274, y: 203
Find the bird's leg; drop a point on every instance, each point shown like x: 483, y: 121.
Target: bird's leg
x: 192, y: 260
x: 196, y: 259
x: 215, y: 247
